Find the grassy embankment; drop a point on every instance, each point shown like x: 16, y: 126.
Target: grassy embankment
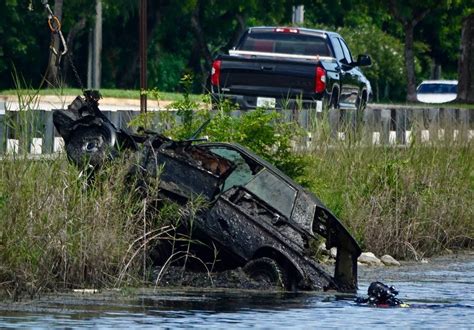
x: 409, y: 202
x: 57, y: 232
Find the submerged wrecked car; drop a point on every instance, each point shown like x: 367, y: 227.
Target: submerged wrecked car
x: 257, y: 216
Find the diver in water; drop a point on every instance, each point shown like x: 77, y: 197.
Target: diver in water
x: 381, y: 295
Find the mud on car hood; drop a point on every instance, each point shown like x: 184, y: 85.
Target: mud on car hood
x: 249, y: 200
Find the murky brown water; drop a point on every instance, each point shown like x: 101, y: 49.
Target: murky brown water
x: 441, y: 294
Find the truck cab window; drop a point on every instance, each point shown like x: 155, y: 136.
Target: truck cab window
x: 337, y: 49
x: 273, y: 191
x: 347, y: 53
x: 285, y: 43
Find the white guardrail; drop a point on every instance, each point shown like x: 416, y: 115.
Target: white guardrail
x: 381, y: 125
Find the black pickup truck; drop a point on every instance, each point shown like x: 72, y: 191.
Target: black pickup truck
x: 286, y: 68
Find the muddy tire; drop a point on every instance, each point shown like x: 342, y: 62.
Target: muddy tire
x: 266, y: 270
x: 91, y: 145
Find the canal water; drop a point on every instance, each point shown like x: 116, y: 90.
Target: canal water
x: 440, y: 294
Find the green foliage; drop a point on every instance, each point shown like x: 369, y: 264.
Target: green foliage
x: 174, y: 47
x: 405, y: 202
x: 20, y: 29
x: 57, y: 234
x: 265, y: 133
x: 142, y: 121
x: 185, y: 109
x: 387, y: 73
x: 165, y: 72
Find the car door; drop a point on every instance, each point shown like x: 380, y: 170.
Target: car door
x: 349, y: 75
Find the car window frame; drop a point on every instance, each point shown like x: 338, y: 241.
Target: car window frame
x: 337, y: 49
x: 344, y: 47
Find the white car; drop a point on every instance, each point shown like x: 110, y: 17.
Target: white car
x: 437, y: 91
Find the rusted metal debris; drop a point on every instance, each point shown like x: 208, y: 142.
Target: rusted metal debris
x: 257, y: 216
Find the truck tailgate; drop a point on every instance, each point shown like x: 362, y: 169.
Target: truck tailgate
x: 267, y: 76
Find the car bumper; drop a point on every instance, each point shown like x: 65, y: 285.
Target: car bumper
x: 247, y: 102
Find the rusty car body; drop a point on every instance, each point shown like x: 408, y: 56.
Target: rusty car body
x: 254, y: 212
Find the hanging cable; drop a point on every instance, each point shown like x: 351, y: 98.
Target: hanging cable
x: 55, y: 27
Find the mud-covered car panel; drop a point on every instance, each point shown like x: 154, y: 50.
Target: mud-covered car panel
x: 244, y: 224
x: 302, y: 213
x: 253, y: 210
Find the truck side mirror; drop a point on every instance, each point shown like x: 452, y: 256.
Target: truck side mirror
x: 364, y: 60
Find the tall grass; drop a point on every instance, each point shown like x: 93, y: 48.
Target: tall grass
x: 409, y: 201
x: 57, y: 230
x: 61, y: 229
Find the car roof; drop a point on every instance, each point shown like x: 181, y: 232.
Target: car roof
x: 449, y: 82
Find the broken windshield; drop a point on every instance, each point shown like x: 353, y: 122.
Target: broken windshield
x: 244, y: 171
x: 274, y: 191
x: 258, y: 180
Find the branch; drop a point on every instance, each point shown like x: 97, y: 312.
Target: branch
x: 195, y: 24
x: 420, y: 15
x: 81, y: 24
x: 392, y: 6
x: 237, y: 32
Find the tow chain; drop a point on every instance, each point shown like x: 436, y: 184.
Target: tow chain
x: 76, y: 74
x: 55, y: 27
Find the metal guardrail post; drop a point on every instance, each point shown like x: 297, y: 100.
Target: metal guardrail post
x: 48, y: 135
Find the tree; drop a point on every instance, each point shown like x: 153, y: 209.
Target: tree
x: 52, y: 77
x: 185, y: 36
x: 466, y: 62
x: 386, y: 51
x: 409, y: 14
x: 440, y: 31
x: 23, y: 29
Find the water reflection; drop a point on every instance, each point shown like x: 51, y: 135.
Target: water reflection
x: 440, y: 297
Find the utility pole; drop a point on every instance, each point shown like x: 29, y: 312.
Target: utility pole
x: 94, y: 65
x: 98, y: 45
x: 298, y: 14
x: 143, y: 54
x: 90, y: 56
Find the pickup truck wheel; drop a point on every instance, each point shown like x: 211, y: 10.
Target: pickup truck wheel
x: 266, y: 270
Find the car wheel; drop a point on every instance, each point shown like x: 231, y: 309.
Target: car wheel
x: 265, y: 270
x: 91, y: 145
